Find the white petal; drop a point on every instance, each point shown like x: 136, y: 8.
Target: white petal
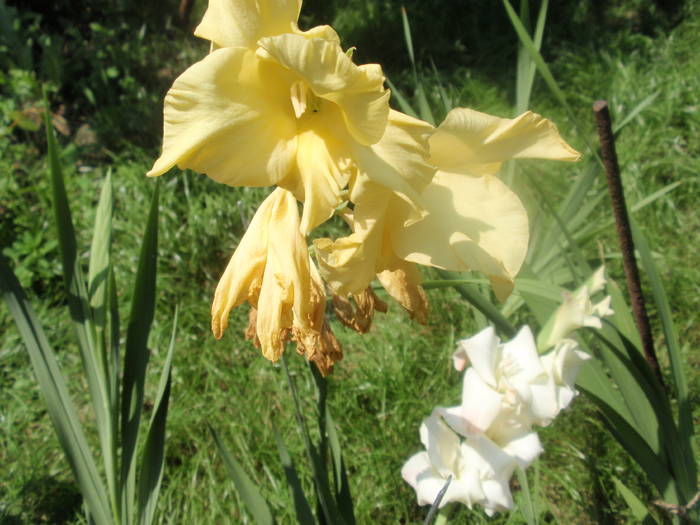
x: 441, y: 443
x: 525, y: 449
x: 483, y: 352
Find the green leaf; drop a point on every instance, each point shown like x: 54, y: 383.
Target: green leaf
x: 329, y: 509
x: 533, y: 50
x: 58, y: 403
x: 342, y: 483
x: 98, y: 271
x: 137, y: 354
x: 472, y: 295
x: 423, y: 106
x: 639, y: 510
x: 153, y: 456
x: 633, y: 381
x: 401, y: 99
x: 301, y: 505
x: 527, y: 504
x: 98, y: 276
x: 91, y: 352
x: 249, y: 493
x: 687, y: 470
x: 526, y: 67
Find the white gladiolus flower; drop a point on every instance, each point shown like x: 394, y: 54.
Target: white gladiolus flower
x: 577, y: 311
x: 507, y: 389
x: 480, y: 470
x: 497, y: 394
x: 562, y: 365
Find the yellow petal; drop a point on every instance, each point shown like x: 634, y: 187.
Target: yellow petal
x: 386, y: 193
x: 403, y: 283
x: 284, y: 295
x: 398, y: 162
x: 328, y: 352
x: 350, y: 263
x: 475, y: 143
x: 240, y: 23
x: 230, y: 116
x: 320, y: 176
x: 358, y: 316
x: 270, y: 269
x: 242, y: 278
x: 474, y: 223
x: 357, y: 90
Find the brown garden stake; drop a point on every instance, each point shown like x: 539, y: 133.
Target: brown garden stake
x: 624, y: 233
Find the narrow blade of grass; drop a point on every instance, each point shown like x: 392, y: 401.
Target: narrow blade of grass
x: 635, y: 111
x: 153, y: 456
x: 59, y: 405
x: 249, y: 493
x: 137, y: 353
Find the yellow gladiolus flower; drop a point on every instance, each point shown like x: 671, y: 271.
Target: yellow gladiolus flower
x: 470, y: 210
x: 473, y: 221
x: 271, y: 270
x: 268, y: 107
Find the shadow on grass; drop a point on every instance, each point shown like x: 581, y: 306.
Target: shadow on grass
x: 46, y: 500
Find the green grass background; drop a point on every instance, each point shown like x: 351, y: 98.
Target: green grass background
x: 107, y: 81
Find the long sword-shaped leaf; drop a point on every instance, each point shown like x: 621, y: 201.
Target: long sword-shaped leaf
x: 60, y: 407
x: 301, y: 505
x: 98, y: 269
x: 423, y: 105
x: 526, y: 66
x: 329, y: 512
x: 153, y: 456
x: 249, y: 493
x: 401, y: 99
x: 639, y: 510
x: 685, y: 415
x: 98, y: 289
x: 137, y: 354
x: 343, y: 496
x: 545, y: 72
x: 532, y: 48
x: 91, y: 353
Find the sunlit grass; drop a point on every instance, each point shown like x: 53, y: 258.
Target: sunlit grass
x: 390, y: 378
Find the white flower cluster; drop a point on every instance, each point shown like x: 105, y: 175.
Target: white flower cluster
x: 507, y: 390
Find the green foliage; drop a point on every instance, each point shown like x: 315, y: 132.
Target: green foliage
x: 94, y: 313
x: 393, y: 374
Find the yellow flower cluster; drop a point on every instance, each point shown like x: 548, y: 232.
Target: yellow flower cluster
x: 272, y: 105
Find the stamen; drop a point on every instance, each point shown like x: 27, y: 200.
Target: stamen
x: 299, y: 93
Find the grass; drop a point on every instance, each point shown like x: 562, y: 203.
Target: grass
x: 392, y: 377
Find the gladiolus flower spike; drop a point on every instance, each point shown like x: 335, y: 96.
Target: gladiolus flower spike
x: 272, y: 105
